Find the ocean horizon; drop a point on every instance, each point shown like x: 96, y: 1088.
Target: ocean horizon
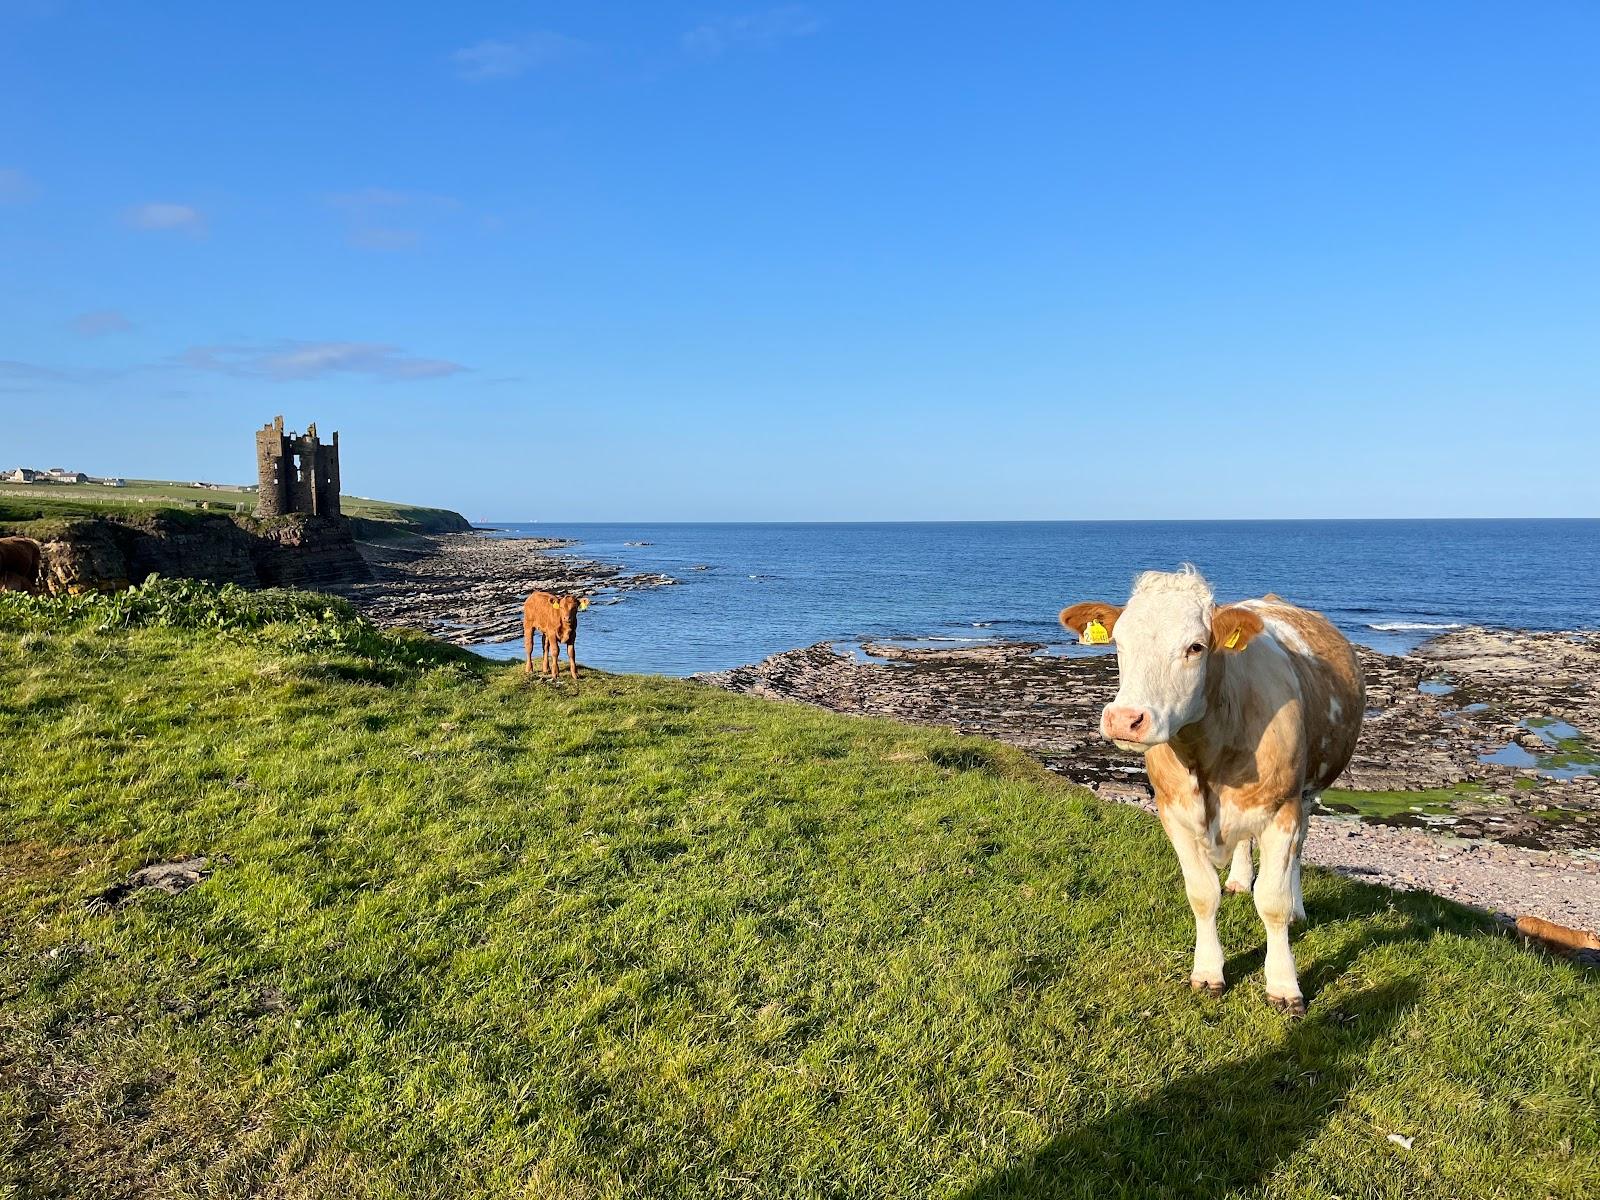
x: 747, y: 590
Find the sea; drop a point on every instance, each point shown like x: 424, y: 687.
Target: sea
x: 746, y: 591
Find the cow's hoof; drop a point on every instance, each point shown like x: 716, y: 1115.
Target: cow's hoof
x: 1237, y: 888
x: 1211, y: 987
x: 1291, y: 1006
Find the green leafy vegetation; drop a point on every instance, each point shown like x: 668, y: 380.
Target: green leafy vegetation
x: 472, y: 934
x: 1427, y: 801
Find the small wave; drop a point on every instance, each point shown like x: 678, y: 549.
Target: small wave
x: 1405, y: 626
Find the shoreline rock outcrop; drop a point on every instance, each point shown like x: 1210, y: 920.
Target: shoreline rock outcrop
x: 1518, y: 835
x: 468, y: 589
x: 109, y: 553
x: 1438, y: 719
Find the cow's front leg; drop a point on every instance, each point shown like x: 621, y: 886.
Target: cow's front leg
x: 1205, y: 895
x: 1241, y: 873
x: 1275, y: 902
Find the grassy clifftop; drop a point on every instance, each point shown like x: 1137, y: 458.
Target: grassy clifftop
x: 472, y: 935
x: 28, y: 502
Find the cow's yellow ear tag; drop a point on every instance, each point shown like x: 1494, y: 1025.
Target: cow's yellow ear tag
x: 1094, y: 634
x: 584, y: 603
x: 1233, y: 640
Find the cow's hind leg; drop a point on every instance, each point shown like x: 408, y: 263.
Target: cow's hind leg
x: 1275, y: 902
x: 1242, y: 872
x: 1205, y: 896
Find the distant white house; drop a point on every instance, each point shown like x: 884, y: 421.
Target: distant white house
x: 59, y: 475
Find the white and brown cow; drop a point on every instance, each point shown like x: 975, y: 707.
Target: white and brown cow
x: 1243, y: 713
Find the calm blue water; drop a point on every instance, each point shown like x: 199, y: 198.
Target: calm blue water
x: 767, y: 588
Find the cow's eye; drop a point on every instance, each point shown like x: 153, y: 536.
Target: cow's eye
x: 1197, y: 648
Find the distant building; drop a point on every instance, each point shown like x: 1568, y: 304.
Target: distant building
x: 297, y: 474
x: 58, y: 475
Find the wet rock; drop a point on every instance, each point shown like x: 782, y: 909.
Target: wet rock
x: 466, y: 588
x: 1411, y: 740
x: 987, y: 652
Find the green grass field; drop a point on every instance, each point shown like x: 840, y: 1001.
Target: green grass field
x: 34, y: 501
x: 471, y: 935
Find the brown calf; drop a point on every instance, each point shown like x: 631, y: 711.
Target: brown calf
x: 20, y: 562
x: 555, y: 619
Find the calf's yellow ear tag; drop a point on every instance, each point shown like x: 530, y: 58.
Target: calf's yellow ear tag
x: 1094, y: 634
x: 1233, y: 640
x: 583, y: 603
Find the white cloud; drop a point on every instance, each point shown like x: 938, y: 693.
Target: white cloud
x: 182, y: 217
x: 289, y: 361
x: 762, y: 28
x: 374, y: 214
x: 24, y: 372
x: 365, y: 200
x: 377, y: 238
x: 15, y: 186
x: 493, y: 59
x: 101, y: 322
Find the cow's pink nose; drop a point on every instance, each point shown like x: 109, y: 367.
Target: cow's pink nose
x: 1122, y: 723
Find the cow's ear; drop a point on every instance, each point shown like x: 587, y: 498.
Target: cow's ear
x: 1093, y: 621
x: 1233, y: 627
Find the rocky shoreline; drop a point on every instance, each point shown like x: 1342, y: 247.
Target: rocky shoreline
x: 1492, y: 732
x: 467, y: 588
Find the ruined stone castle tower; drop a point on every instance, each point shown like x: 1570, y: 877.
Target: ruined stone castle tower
x: 297, y: 474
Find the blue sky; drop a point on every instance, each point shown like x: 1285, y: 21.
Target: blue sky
x: 815, y: 261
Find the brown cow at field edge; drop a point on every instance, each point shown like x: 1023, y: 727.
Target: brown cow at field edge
x: 1244, y: 713
x: 21, y: 560
x: 555, y: 619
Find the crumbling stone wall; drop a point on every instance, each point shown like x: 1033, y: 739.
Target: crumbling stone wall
x: 295, y: 473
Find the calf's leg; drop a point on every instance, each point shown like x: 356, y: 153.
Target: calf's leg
x: 1205, y: 895
x: 1280, y: 851
x: 572, y: 659
x: 1241, y: 873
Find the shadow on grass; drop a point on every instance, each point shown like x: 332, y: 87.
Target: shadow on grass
x: 1318, y: 970
x: 1217, y: 1131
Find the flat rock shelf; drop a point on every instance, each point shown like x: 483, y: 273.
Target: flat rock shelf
x: 467, y: 588
x: 1476, y: 776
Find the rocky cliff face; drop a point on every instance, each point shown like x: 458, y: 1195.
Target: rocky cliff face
x: 104, y: 553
